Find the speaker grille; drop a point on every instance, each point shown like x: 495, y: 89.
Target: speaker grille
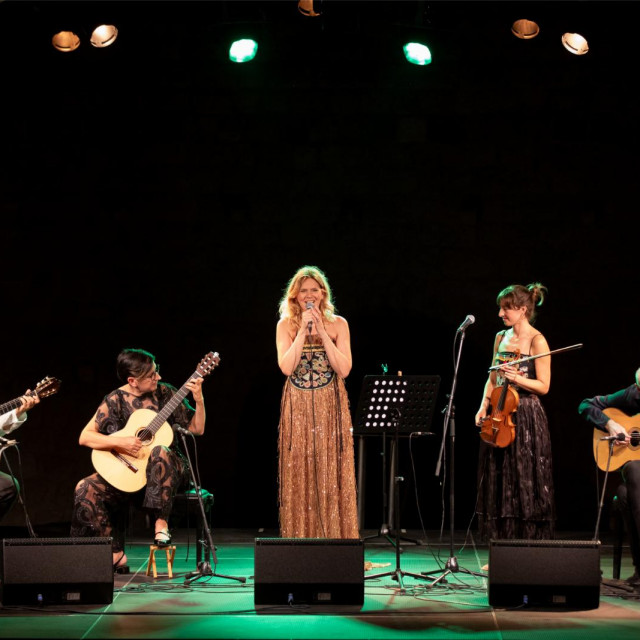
x: 56, y: 571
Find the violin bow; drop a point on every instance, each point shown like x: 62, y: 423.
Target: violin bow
x: 539, y: 355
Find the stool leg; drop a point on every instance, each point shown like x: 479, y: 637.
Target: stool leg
x: 170, y: 561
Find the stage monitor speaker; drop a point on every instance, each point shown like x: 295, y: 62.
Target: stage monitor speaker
x: 546, y: 573
x: 324, y: 573
x: 56, y: 571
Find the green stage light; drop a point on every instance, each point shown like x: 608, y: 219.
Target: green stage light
x: 417, y: 53
x: 243, y: 50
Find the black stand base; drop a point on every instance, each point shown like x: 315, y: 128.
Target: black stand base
x: 204, y: 570
x: 390, y: 536
x: 397, y: 575
x: 450, y: 567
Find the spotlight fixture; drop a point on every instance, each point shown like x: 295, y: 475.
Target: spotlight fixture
x: 525, y: 29
x: 243, y: 50
x: 306, y: 8
x: 575, y: 43
x: 65, y: 41
x: 417, y: 53
x: 104, y: 35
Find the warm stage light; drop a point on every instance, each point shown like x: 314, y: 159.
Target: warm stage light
x: 525, y: 29
x: 243, y: 50
x: 575, y: 43
x: 65, y: 41
x: 417, y: 53
x: 306, y: 8
x: 104, y: 35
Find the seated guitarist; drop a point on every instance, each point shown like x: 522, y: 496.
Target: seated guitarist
x: 8, y: 422
x: 97, y: 503
x: 628, y: 401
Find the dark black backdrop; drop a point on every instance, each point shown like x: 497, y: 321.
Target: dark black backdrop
x: 156, y: 195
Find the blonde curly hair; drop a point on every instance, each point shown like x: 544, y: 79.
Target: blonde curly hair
x: 289, y: 307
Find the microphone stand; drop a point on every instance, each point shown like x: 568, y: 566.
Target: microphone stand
x: 204, y: 567
x: 451, y: 565
x: 604, y: 487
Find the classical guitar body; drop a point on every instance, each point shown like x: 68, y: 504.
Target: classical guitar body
x: 129, y: 473
x: 621, y: 454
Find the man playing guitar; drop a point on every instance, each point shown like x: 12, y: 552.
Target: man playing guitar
x: 8, y: 422
x: 606, y: 413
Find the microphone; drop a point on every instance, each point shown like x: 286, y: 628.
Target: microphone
x: 618, y: 436
x: 7, y: 443
x: 179, y: 429
x: 309, y: 324
x: 467, y: 321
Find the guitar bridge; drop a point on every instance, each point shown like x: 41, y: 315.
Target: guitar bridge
x: 124, y: 461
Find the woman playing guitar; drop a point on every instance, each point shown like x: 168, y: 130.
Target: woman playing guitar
x: 515, y: 486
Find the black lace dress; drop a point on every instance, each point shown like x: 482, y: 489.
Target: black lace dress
x: 515, y: 483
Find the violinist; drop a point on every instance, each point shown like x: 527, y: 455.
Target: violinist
x: 515, y: 484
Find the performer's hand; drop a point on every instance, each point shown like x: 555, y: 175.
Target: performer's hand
x: 308, y: 316
x: 614, y: 429
x: 509, y: 372
x: 480, y: 416
x: 130, y: 445
x: 195, y: 386
x: 27, y: 402
x: 319, y: 325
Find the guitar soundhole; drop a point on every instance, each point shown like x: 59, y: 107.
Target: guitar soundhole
x: 634, y: 438
x: 145, y: 435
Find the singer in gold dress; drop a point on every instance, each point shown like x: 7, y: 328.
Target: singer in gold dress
x: 317, y: 486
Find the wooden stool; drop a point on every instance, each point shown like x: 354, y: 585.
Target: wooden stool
x: 151, y: 564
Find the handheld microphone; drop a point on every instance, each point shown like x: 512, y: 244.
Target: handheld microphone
x: 618, y: 436
x: 467, y: 321
x: 309, y: 324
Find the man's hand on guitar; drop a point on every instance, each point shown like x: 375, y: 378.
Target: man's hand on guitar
x: 130, y: 445
x: 614, y: 429
x: 27, y: 401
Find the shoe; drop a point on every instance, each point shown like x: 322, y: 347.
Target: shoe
x: 634, y: 580
x: 121, y: 565
x: 163, y: 538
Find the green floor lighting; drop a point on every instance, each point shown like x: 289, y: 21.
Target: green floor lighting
x: 243, y: 50
x: 417, y: 53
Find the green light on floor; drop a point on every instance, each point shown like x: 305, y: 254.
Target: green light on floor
x: 243, y: 50
x: 417, y: 53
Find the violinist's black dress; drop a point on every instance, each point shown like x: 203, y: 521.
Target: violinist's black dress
x: 515, y: 483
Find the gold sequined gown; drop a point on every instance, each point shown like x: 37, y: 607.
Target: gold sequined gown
x: 317, y: 485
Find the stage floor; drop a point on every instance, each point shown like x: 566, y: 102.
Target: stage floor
x: 221, y: 606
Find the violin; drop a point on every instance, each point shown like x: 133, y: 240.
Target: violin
x: 498, y: 428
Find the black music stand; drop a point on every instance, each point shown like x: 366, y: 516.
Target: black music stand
x: 416, y: 396
x: 399, y: 404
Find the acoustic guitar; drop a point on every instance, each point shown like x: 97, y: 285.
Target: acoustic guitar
x: 621, y: 454
x: 46, y: 387
x: 129, y: 473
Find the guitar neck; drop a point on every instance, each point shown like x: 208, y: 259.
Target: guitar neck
x: 10, y: 406
x: 13, y: 404
x: 170, y: 407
